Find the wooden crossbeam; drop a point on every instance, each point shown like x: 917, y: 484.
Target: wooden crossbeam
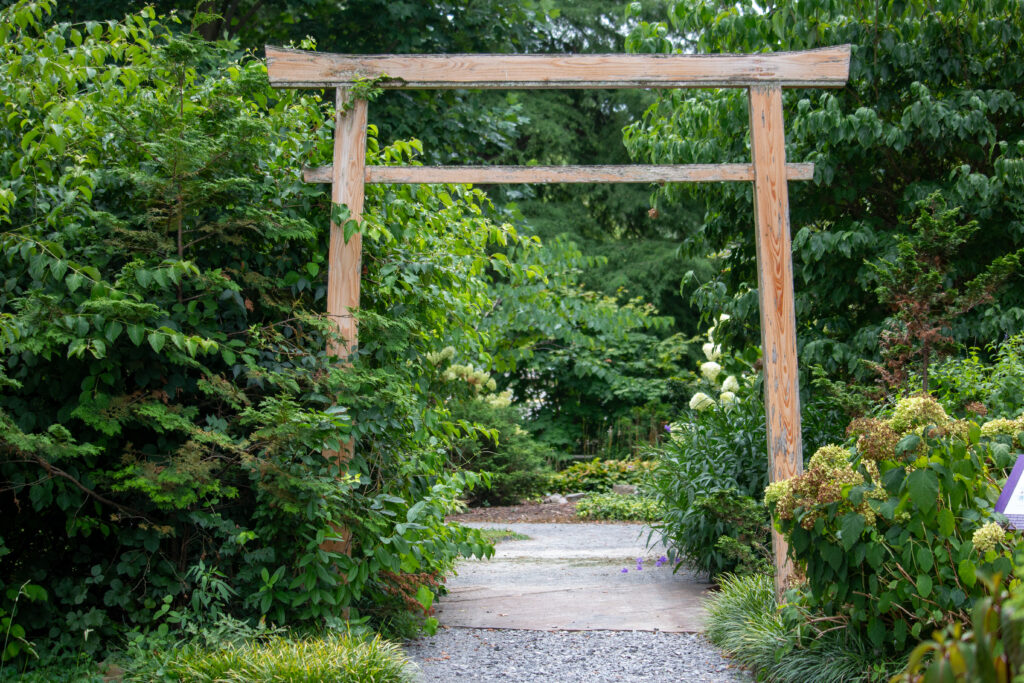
x: 493, y: 175
x: 823, y: 68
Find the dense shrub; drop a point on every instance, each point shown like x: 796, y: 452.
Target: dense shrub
x: 710, y: 476
x: 615, y: 506
x: 893, y: 535
x: 166, y: 396
x: 600, y: 475
x: 517, y: 464
x: 990, y: 386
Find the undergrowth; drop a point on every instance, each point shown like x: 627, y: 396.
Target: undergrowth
x: 333, y: 658
x: 615, y: 506
x: 744, y: 621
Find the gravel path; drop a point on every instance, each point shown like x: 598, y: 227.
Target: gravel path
x: 485, y: 655
x: 574, y: 569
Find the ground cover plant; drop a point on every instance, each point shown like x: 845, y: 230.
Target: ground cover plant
x: 599, y: 475
x: 616, y: 506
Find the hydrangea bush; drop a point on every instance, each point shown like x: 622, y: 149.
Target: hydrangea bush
x: 894, y: 532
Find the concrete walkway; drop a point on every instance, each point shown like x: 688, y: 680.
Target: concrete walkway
x: 569, y: 577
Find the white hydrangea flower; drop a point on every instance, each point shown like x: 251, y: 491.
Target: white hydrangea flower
x: 988, y: 537
x: 701, y: 401
x: 727, y: 397
x: 710, y: 370
x: 712, y: 351
x: 731, y: 384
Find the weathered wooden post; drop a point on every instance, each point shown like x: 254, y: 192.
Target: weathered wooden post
x: 775, y: 293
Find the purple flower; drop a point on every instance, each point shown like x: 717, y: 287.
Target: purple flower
x: 662, y: 560
x: 625, y: 571
x: 668, y: 428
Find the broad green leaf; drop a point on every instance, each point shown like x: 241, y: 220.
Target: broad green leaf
x: 157, y: 340
x: 923, y: 486
x: 851, y: 526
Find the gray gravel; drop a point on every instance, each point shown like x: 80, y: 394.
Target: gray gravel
x: 465, y: 654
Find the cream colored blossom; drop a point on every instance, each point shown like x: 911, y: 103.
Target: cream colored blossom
x: 988, y: 537
x: 726, y: 397
x: 712, y: 351
x: 915, y: 411
x: 710, y: 370
x: 731, y: 384
x: 701, y: 401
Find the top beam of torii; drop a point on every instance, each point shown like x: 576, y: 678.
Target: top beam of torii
x: 823, y: 68
x: 763, y: 75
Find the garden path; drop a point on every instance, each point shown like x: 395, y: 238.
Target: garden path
x: 580, y: 577
x: 559, y: 606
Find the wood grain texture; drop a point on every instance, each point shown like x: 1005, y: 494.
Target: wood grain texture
x: 775, y: 290
x: 823, y: 68
x: 491, y: 175
x: 345, y: 258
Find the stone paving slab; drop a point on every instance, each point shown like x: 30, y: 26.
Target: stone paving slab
x: 569, y: 577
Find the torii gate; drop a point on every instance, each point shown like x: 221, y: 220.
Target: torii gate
x: 763, y: 75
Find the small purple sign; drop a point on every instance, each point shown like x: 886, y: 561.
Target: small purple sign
x: 1011, y: 500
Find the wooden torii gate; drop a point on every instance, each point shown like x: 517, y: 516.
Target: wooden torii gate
x: 763, y: 75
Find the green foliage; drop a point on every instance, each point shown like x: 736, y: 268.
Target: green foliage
x: 499, y: 535
x: 333, y: 657
x: 923, y: 293
x: 517, y: 464
x: 934, y: 103
x: 615, y: 506
x: 893, y: 537
x: 996, y: 385
x: 600, y: 475
x: 581, y: 360
x: 165, y: 391
x: 743, y: 619
x: 990, y: 652
x: 712, y: 471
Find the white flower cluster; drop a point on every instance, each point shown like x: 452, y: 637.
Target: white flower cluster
x: 711, y: 370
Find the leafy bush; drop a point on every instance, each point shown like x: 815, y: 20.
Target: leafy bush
x: 709, y: 479
x: 990, y: 652
x: 892, y: 536
x: 974, y: 385
x: 166, y: 393
x: 600, y: 475
x: 330, y: 658
x: 743, y: 619
x: 518, y: 465
x: 615, y: 506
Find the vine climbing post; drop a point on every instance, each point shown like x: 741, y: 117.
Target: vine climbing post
x: 775, y: 291
x: 345, y: 256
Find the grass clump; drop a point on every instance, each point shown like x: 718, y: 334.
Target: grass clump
x: 326, y: 659
x: 499, y: 535
x: 744, y: 620
x: 614, y: 506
